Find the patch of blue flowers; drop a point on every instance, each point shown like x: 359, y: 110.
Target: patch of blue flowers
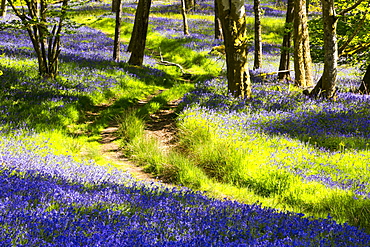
x: 52, y: 200
x: 276, y: 110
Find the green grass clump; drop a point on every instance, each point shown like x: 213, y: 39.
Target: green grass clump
x: 131, y: 125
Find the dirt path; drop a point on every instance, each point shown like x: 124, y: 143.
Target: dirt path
x: 161, y: 126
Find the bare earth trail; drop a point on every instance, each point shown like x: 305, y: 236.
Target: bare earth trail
x: 161, y: 126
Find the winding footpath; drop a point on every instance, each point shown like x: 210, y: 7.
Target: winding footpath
x: 161, y: 126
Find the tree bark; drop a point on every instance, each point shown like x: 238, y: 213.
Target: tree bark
x: 189, y: 5
x: 329, y: 76
x: 117, y: 33
x: 134, y: 33
x: 184, y: 18
x: 138, y: 38
x: 233, y: 20
x: 115, y: 5
x: 286, y: 46
x: 3, y: 8
x: 302, y: 55
x: 257, y: 36
x: 365, y: 84
x: 218, y: 27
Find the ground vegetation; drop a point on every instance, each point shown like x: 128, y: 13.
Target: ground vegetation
x: 270, y: 170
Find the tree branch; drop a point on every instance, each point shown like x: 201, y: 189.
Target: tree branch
x: 344, y: 11
x: 356, y: 31
x: 167, y: 63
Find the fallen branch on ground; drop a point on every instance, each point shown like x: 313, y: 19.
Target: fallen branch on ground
x: 263, y: 75
x: 167, y: 63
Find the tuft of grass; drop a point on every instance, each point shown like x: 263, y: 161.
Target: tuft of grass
x: 131, y: 125
x: 145, y: 151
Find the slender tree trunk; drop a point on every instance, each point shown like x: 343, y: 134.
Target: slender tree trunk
x: 286, y: 46
x: 329, y: 76
x: 139, y: 39
x: 115, y: 5
x: 117, y: 33
x: 233, y: 20
x: 257, y: 36
x: 302, y: 55
x: 218, y: 27
x: 184, y: 18
x: 3, y: 8
x: 365, y: 84
x: 189, y: 5
x: 46, y: 43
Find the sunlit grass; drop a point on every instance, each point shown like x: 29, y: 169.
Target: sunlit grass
x: 279, y: 170
x: 253, y: 168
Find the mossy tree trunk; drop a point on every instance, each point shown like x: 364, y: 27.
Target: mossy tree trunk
x: 233, y: 20
x: 302, y: 54
x: 329, y: 76
x: 138, y: 37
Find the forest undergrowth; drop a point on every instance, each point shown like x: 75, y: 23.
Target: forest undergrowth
x: 270, y: 171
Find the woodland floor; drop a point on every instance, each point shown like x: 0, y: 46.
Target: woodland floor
x: 161, y: 126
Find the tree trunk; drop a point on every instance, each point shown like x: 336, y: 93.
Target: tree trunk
x: 233, y: 20
x: 218, y: 27
x: 115, y: 5
x: 46, y: 43
x: 365, y: 84
x: 302, y: 55
x: 134, y: 33
x: 3, y: 8
x: 138, y: 39
x: 285, y: 48
x: 326, y: 85
x: 329, y: 76
x: 189, y: 5
x: 117, y: 33
x: 184, y: 18
x: 257, y: 36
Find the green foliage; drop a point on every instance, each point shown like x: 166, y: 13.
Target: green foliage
x: 357, y: 49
